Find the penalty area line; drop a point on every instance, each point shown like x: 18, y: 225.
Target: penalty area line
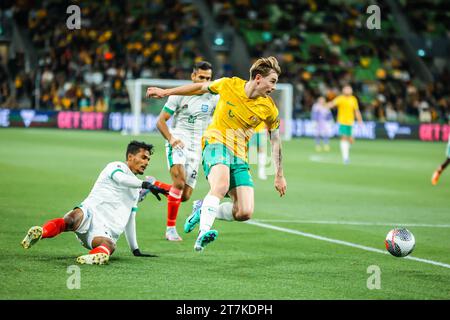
x: 345, y: 243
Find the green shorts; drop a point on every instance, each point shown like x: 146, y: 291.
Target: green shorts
x: 217, y: 153
x: 345, y: 130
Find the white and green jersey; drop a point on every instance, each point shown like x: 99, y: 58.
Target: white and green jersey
x: 114, y: 196
x: 190, y: 116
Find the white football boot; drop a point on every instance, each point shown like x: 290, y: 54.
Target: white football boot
x: 34, y: 234
x: 172, y: 234
x: 94, y: 258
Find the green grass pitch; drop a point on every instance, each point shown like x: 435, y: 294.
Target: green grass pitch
x: 44, y: 173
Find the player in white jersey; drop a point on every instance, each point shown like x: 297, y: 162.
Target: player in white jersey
x: 108, y: 211
x: 190, y: 117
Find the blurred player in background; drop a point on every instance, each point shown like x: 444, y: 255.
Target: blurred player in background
x: 191, y: 116
x: 259, y: 141
x: 107, y: 212
x: 322, y: 118
x: 441, y: 168
x: 347, y: 106
x: 242, y: 106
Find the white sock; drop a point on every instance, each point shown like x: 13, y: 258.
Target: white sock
x: 345, y: 150
x: 208, y: 212
x: 225, y: 211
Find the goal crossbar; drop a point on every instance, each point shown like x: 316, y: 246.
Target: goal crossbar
x: 283, y: 99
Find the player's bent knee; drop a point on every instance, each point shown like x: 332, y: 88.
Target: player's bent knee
x: 243, y: 215
x: 179, y: 184
x: 178, y: 178
x: 220, y: 190
x: 73, y: 219
x: 69, y: 222
x: 187, y: 193
x: 179, y: 181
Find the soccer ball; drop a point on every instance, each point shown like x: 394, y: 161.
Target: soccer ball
x: 400, y: 242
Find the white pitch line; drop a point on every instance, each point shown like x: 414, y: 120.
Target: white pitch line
x: 345, y: 243
x: 357, y: 223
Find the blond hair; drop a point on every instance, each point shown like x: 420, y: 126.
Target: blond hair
x: 264, y: 66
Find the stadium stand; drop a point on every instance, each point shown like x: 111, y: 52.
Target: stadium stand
x: 78, y: 69
x: 431, y: 20
x: 324, y: 44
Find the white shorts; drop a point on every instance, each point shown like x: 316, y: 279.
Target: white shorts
x: 93, y: 226
x: 189, y: 158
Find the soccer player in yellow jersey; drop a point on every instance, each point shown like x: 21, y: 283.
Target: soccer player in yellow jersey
x: 242, y: 106
x: 347, y: 106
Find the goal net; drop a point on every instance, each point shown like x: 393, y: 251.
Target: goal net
x: 283, y: 97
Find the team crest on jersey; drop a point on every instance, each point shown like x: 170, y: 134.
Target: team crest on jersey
x: 205, y: 108
x: 184, y: 106
x: 192, y: 119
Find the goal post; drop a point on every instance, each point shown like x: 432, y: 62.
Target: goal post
x: 283, y: 97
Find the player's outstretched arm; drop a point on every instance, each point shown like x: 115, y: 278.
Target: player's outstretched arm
x: 130, y: 235
x: 280, y: 181
x: 126, y: 180
x: 133, y: 182
x: 331, y: 104
x: 186, y: 90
